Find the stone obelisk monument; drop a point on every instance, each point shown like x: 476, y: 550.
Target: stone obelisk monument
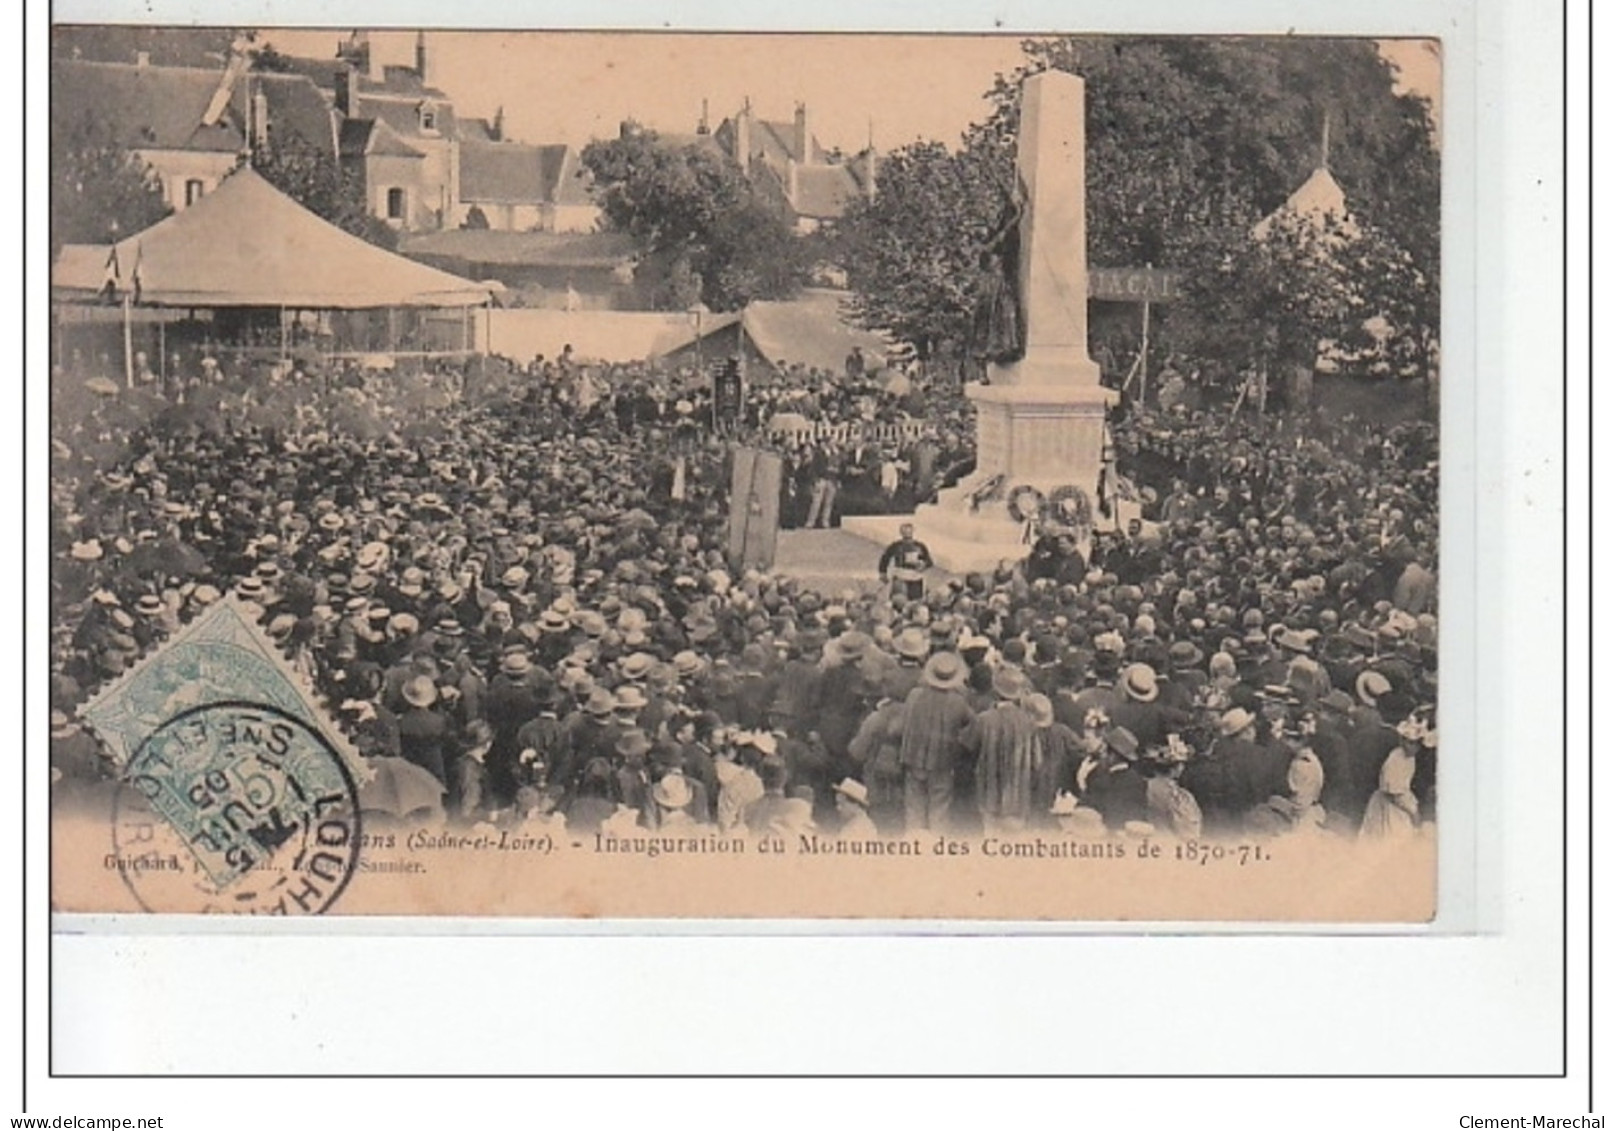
x: 1040, y: 421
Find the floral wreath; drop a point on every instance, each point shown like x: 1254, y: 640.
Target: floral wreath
x: 1025, y: 503
x: 1075, y: 500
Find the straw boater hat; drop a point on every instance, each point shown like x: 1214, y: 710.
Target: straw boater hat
x: 516, y: 663
x: 1139, y: 683
x: 630, y: 698
x: 1010, y: 684
x: 149, y: 605
x: 1233, y: 721
x: 372, y: 556
x: 911, y: 643
x: 637, y: 665
x: 945, y: 671
x: 1041, y: 709
x: 687, y: 663
x: 1371, y: 685
x: 851, y: 646
x: 853, y: 790
x: 420, y: 691
x: 673, y: 791
x: 633, y: 742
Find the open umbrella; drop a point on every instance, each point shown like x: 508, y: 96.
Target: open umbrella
x: 400, y: 788
x: 896, y: 383
x: 102, y: 386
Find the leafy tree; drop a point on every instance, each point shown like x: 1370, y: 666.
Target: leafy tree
x: 266, y: 58
x: 100, y: 189
x: 910, y: 253
x: 703, y: 230
x: 314, y: 179
x: 1190, y: 141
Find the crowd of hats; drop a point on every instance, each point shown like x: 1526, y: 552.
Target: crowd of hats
x: 520, y: 544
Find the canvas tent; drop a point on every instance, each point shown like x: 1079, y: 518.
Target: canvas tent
x: 246, y: 244
x: 1318, y: 202
x: 806, y: 330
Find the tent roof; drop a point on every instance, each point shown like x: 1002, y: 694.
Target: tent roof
x: 1319, y: 199
x: 597, y: 335
x: 248, y: 244
x: 809, y: 330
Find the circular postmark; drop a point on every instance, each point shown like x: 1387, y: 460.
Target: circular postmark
x: 236, y: 808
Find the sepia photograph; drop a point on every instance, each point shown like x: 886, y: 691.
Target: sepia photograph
x: 589, y: 475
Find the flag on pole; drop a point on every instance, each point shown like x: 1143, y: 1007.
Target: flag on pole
x: 112, y: 280
x: 134, y: 275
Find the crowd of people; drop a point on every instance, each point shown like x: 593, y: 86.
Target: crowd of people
x: 523, y: 594
x: 867, y: 441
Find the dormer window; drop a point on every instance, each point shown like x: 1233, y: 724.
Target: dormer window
x: 428, y: 115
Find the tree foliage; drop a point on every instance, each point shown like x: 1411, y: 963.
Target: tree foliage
x: 703, y: 230
x: 910, y: 253
x: 1190, y: 142
x: 314, y: 179
x: 100, y: 190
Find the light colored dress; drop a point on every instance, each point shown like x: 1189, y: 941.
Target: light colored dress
x: 1393, y: 811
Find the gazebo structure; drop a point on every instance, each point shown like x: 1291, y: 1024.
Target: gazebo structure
x: 247, y: 269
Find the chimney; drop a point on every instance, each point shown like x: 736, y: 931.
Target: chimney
x: 260, y: 117
x: 375, y: 69
x: 498, y: 128
x: 743, y: 135
x: 804, y: 135
x: 703, y: 128
x: 340, y: 94
x: 869, y: 162
x: 142, y: 58
x: 422, y: 59
x: 792, y: 181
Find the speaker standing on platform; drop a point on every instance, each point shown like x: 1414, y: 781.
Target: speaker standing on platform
x: 904, y: 563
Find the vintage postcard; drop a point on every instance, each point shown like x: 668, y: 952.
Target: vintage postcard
x: 718, y: 476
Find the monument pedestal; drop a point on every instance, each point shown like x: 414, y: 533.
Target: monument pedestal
x: 1044, y: 436
x: 1040, y: 422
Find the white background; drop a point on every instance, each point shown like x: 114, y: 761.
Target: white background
x: 1483, y: 1003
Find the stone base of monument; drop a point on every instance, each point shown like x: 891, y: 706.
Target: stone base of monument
x: 1040, y: 423
x: 1045, y: 436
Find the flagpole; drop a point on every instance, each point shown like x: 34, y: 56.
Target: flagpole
x: 128, y: 343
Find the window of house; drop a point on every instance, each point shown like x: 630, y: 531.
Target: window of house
x: 428, y: 119
x: 395, y: 204
x: 193, y: 191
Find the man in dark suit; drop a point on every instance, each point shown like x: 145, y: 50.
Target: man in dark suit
x: 904, y: 563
